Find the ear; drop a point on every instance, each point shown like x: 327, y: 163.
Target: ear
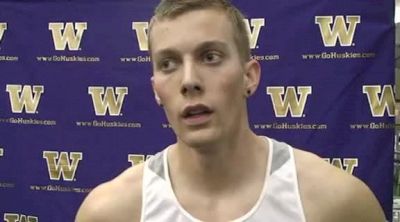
x: 157, y: 98
x: 252, y: 76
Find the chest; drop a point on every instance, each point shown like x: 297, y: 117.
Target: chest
x: 227, y: 207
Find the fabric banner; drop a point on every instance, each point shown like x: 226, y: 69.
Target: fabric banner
x: 77, y: 107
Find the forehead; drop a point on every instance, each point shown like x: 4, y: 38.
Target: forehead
x: 191, y: 28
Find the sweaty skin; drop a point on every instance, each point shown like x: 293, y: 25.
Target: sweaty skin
x: 199, y: 71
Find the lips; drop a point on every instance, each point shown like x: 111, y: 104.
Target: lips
x: 196, y: 110
x: 197, y: 115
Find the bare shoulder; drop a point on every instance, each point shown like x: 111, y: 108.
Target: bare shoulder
x: 331, y: 194
x: 116, y: 200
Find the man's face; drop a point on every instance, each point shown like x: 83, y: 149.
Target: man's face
x: 199, y: 77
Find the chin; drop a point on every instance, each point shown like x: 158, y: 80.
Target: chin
x: 200, y: 139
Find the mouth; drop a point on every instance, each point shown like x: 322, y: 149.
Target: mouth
x: 196, y: 111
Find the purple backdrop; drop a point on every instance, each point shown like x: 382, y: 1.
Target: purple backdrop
x: 76, y: 105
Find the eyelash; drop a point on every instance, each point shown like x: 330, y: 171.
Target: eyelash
x: 216, y: 56
x: 164, y: 62
x: 204, y: 57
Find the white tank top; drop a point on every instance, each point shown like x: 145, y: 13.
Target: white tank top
x: 279, y: 200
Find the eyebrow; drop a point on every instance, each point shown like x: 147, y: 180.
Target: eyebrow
x: 204, y: 45
x: 212, y: 44
x: 165, y: 53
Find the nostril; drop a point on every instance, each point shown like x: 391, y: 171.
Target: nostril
x: 197, y: 88
x: 184, y: 90
x: 191, y: 88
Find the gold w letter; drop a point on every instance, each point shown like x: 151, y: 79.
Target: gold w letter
x: 3, y: 28
x: 338, y: 31
x: 25, y: 99
x: 10, y: 217
x: 290, y: 100
x: 59, y: 163
x: 69, y: 37
x: 256, y: 23
x: 379, y: 105
x: 141, y: 34
x: 108, y: 101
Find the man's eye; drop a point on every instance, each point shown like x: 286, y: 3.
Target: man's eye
x: 212, y: 57
x: 167, y: 65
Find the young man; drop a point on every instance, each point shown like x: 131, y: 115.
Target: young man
x: 219, y: 170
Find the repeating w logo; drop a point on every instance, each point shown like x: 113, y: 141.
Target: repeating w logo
x: 339, y: 31
x: 380, y: 104
x: 69, y: 34
x: 290, y: 100
x: 62, y: 163
x: 256, y: 24
x: 136, y: 159
x: 26, y: 98
x: 107, y: 101
x: 12, y: 217
x: 3, y: 28
x: 141, y: 33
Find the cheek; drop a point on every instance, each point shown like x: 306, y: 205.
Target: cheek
x: 166, y: 98
x: 166, y: 92
x: 232, y: 86
x: 161, y: 88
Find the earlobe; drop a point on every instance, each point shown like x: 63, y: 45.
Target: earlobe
x: 248, y: 93
x: 156, y: 97
x: 158, y: 100
x: 252, y: 76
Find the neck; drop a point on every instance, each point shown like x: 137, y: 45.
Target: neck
x: 218, y: 166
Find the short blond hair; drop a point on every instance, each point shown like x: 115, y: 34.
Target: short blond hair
x: 172, y: 8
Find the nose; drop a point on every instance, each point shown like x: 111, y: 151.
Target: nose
x: 191, y: 81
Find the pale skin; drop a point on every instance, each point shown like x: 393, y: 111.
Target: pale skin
x: 217, y: 154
